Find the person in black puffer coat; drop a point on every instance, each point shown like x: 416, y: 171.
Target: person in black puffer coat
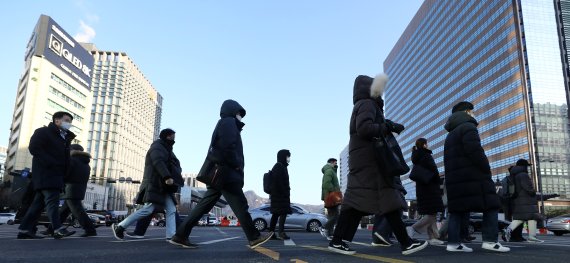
x: 280, y: 192
x: 468, y: 181
x: 525, y: 207
x: 428, y: 194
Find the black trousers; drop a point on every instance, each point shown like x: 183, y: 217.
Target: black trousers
x: 236, y: 199
x: 273, y: 223
x: 76, y: 208
x: 350, y: 218
x: 47, y: 198
x: 142, y: 225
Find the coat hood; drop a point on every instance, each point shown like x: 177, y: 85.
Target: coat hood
x: 417, y: 154
x: 230, y: 108
x: 282, y: 156
x: 457, y: 119
x: 519, y: 169
x: 328, y: 167
x: 84, y: 156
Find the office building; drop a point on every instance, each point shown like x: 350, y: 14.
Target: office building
x: 505, y: 57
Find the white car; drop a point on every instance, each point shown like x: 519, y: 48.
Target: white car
x: 299, y: 219
x: 7, y: 218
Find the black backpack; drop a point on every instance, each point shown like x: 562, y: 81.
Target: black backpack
x: 508, y: 190
x: 267, y: 182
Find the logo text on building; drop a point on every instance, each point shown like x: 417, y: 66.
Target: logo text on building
x: 58, y: 48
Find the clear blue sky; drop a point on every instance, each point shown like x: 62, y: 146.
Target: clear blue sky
x: 291, y: 64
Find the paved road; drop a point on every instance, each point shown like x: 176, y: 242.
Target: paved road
x: 229, y: 245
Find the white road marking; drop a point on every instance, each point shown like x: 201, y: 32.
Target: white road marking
x: 216, y: 241
x: 289, y: 242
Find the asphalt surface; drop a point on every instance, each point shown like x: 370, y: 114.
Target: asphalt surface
x: 223, y: 244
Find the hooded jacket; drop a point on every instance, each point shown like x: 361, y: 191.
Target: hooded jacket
x: 429, y: 195
x: 157, y: 169
x: 525, y: 206
x: 51, y: 157
x: 76, y: 181
x: 280, y: 188
x: 226, y: 139
x: 468, y: 181
x: 330, y: 181
x: 368, y: 190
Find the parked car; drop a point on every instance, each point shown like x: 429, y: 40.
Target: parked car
x: 475, y: 220
x: 97, y: 219
x: 109, y: 219
x: 7, y: 218
x: 299, y: 219
x: 559, y: 225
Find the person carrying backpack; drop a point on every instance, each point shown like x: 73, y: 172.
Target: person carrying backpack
x: 279, y: 194
x: 507, y: 194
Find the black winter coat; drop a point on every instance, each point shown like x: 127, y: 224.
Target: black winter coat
x: 280, y: 188
x: 525, y: 206
x: 76, y: 181
x: 368, y: 190
x: 428, y: 195
x: 226, y: 140
x: 156, y: 171
x: 468, y: 181
x: 51, y: 160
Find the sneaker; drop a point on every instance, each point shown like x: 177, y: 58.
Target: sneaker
x: 534, y: 240
x: 134, y: 235
x: 414, y: 247
x: 497, y: 247
x: 260, y: 240
x: 28, y: 235
x: 411, y: 231
x: 183, y: 242
x: 435, y: 242
x: 458, y: 248
x: 380, y: 241
x: 341, y: 248
x: 506, y: 234
x: 118, y: 231
x: 89, y: 234
x: 283, y: 236
x: 62, y: 233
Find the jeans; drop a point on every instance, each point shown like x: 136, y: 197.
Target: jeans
x: 148, y: 209
x: 236, y: 199
x: 459, y: 221
x: 332, y: 219
x: 48, y: 198
x: 75, y: 207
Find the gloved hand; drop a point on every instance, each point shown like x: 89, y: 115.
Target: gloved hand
x: 395, y: 127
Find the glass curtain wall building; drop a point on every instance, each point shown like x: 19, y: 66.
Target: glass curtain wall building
x: 504, y: 56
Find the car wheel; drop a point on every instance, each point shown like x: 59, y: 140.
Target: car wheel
x: 10, y: 222
x: 313, y: 226
x: 558, y: 233
x: 260, y: 224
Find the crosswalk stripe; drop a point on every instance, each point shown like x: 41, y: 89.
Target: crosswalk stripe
x: 365, y: 256
x: 289, y: 242
x: 217, y: 241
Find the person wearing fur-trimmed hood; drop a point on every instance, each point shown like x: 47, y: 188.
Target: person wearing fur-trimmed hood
x: 369, y: 191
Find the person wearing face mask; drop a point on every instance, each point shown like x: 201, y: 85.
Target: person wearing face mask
x: 161, y: 179
x: 226, y: 140
x: 468, y: 181
x: 50, y: 148
x: 329, y: 184
x: 280, y: 193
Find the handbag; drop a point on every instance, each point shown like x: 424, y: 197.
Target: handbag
x: 390, y: 157
x: 420, y: 174
x: 211, y: 171
x: 333, y: 199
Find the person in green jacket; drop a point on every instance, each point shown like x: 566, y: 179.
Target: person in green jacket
x: 330, y: 184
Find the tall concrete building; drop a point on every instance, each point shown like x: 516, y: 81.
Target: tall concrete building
x: 56, y: 77
x: 125, y: 120
x: 343, y: 169
x: 3, y: 155
x: 505, y: 57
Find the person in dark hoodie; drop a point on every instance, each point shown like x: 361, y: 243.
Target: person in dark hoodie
x: 468, y: 181
x: 161, y: 179
x: 369, y: 191
x: 280, y: 193
x: 525, y: 207
x: 50, y: 148
x: 74, y: 192
x: 428, y: 194
x: 226, y: 140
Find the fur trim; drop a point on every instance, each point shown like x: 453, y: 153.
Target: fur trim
x: 80, y: 153
x: 378, y: 85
